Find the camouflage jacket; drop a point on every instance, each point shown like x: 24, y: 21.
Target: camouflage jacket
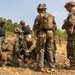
x: 31, y: 45
x: 37, y: 24
x: 70, y: 21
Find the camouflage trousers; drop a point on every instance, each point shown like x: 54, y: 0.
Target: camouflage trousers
x: 48, y: 49
x: 1, y: 40
x: 71, y: 52
x: 54, y: 56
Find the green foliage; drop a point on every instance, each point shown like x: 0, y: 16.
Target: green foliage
x: 9, y: 26
x: 61, y: 34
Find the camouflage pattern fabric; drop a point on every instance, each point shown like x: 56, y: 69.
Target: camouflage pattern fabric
x: 45, y: 41
x: 31, y: 46
x: 69, y: 26
x: 1, y: 40
x: 11, y: 55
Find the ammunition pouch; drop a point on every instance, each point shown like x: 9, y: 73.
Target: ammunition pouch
x: 8, y: 46
x: 69, y: 27
x: 5, y: 55
x: 42, y: 37
x: 49, y: 34
x: 69, y: 30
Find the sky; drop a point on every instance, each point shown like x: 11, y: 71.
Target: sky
x: 26, y: 10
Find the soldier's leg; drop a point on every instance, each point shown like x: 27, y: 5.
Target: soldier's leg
x: 41, y: 48
x: 26, y: 59
x: 49, y: 53
x: 0, y: 60
x: 54, y: 56
x: 41, y: 57
x: 72, y: 60
x: 1, y: 40
x: 69, y: 51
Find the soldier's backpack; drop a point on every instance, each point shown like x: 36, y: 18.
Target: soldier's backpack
x: 9, y: 43
x: 46, y: 21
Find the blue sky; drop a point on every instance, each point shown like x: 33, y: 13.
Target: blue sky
x: 26, y: 10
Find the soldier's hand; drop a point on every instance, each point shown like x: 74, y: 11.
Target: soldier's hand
x: 27, y: 51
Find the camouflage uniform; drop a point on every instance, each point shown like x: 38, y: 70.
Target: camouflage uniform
x: 10, y: 48
x: 54, y: 52
x: 69, y: 26
x: 31, y: 47
x: 2, y: 32
x: 45, y: 38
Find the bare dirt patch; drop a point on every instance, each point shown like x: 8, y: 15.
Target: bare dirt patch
x: 62, y: 66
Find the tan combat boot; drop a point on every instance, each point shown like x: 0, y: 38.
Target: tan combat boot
x: 42, y: 69
x: 49, y: 70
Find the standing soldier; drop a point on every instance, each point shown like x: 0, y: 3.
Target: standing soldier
x: 60, y: 41
x: 2, y: 32
x: 45, y: 27
x: 69, y: 26
x: 2, y: 36
x: 25, y: 29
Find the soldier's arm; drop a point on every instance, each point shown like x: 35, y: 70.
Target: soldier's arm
x: 69, y: 21
x: 17, y: 45
x: 54, y: 25
x: 33, y: 45
x: 71, y: 18
x: 17, y: 52
x: 36, y: 24
x: 64, y: 26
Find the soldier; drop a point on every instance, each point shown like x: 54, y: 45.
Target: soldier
x: 30, y: 48
x: 26, y: 29
x: 69, y: 26
x: 60, y: 42
x: 2, y: 32
x: 44, y: 27
x: 10, y: 48
x: 2, y: 36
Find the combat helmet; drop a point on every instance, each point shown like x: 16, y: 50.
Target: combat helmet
x: 22, y: 22
x: 17, y: 30
x: 41, y: 6
x: 69, y: 3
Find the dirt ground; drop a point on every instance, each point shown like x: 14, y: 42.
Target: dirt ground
x: 62, y: 66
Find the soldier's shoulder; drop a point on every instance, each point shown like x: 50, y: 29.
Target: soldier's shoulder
x: 49, y: 14
x: 71, y: 13
x: 38, y: 16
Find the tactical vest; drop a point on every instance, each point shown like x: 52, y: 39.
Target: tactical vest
x: 46, y: 21
x: 9, y: 43
x: 69, y: 25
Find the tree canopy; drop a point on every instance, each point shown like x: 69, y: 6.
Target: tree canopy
x: 9, y: 27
